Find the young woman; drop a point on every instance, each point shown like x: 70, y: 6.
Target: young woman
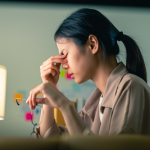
x: 87, y: 44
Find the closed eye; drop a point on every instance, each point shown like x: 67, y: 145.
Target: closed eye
x: 66, y: 55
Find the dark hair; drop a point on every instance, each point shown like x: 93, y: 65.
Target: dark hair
x: 83, y: 22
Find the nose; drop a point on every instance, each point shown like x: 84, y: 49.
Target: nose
x: 65, y: 66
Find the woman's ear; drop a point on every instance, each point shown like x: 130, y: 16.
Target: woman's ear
x: 93, y: 43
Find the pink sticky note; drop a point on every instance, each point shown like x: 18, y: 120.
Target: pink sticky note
x: 56, y: 86
x: 68, y: 77
x: 28, y: 116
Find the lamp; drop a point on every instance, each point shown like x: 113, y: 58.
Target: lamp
x: 2, y: 91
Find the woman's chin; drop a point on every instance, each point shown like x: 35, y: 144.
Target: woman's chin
x: 79, y: 81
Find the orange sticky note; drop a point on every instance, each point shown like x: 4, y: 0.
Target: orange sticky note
x: 74, y: 104
x: 18, y: 95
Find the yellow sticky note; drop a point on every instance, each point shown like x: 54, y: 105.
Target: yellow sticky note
x: 18, y: 95
x: 59, y: 117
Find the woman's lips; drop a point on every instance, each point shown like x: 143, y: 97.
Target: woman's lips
x: 72, y: 76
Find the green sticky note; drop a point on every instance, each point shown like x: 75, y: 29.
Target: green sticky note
x: 63, y: 73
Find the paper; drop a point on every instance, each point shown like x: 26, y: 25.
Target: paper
x: 63, y: 73
x: 18, y: 95
x: 28, y: 116
x: 68, y: 77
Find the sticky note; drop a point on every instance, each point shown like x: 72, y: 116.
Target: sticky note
x: 37, y: 111
x: 76, y: 87
x: 63, y: 73
x: 74, y: 103
x: 68, y: 77
x: 59, y: 117
x: 56, y: 86
x: 18, y: 95
x: 28, y: 116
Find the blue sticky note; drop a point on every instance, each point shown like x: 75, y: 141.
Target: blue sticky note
x: 37, y: 111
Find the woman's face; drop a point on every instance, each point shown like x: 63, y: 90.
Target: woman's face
x: 80, y: 65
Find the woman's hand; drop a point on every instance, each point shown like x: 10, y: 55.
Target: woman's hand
x: 53, y: 97
x: 49, y: 71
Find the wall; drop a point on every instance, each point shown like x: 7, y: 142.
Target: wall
x: 26, y: 41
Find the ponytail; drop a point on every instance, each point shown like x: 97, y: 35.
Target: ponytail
x: 134, y: 60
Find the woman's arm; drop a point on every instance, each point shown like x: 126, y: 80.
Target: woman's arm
x: 74, y: 123
x: 55, y: 99
x: 48, y: 119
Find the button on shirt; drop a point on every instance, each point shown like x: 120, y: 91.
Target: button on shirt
x: 100, y: 114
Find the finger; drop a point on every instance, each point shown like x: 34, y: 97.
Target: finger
x: 55, y: 57
x: 34, y: 93
x: 40, y: 100
x: 33, y: 107
x: 51, y: 63
x: 55, y: 60
x: 49, y: 66
x: 58, y: 65
x: 33, y: 100
x: 27, y: 101
x: 46, y: 73
x: 37, y: 90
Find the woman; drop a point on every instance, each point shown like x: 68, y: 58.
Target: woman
x: 87, y: 44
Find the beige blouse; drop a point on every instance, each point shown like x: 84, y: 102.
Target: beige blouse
x: 125, y: 107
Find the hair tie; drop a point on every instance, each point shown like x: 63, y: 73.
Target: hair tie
x: 119, y: 36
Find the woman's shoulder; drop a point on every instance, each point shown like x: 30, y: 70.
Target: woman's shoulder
x: 134, y: 81
x: 133, y: 88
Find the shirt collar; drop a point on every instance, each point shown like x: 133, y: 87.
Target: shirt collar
x: 110, y: 91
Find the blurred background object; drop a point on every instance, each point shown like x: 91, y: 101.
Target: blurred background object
x: 129, y: 3
x: 27, y: 40
x: 3, y: 73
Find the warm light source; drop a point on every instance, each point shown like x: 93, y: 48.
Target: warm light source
x: 3, y: 73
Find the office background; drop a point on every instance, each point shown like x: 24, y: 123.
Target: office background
x: 26, y: 41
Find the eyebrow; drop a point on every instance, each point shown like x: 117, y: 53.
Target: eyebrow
x: 62, y: 52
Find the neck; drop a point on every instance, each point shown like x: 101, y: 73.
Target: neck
x: 103, y: 71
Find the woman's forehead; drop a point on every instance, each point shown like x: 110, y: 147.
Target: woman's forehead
x: 64, y: 43
x: 63, y: 40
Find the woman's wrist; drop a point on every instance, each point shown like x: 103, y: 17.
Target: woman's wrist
x: 65, y: 103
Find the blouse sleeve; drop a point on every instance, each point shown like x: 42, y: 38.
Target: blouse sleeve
x: 55, y: 130
x: 86, y: 130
